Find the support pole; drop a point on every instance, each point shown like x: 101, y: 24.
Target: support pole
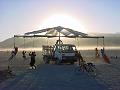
x: 14, y: 41
x: 59, y: 37
x: 97, y: 42
x: 24, y: 42
x: 103, y: 43
x: 33, y: 43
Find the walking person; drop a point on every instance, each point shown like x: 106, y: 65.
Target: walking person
x: 32, y: 62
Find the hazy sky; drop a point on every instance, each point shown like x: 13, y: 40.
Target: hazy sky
x: 20, y: 16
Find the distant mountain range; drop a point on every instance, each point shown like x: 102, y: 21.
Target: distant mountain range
x: 110, y: 40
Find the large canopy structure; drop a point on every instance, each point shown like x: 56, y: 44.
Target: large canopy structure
x: 58, y: 31
x: 55, y: 31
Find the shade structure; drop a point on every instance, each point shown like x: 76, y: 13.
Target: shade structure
x: 55, y: 31
x: 58, y: 31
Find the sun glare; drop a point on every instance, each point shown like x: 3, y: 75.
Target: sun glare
x: 62, y: 20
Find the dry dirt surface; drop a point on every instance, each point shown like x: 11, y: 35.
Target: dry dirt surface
x: 53, y: 77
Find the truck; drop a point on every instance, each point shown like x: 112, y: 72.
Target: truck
x: 60, y: 53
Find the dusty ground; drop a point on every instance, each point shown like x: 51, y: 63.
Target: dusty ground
x: 53, y: 77
x: 108, y: 74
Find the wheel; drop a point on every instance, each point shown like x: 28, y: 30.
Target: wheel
x: 57, y: 61
x: 92, y: 71
x: 47, y: 61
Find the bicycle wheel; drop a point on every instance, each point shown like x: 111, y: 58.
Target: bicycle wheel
x: 92, y: 72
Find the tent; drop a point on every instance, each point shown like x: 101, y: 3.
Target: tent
x: 58, y: 31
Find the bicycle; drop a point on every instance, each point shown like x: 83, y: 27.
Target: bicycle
x: 87, y: 67
x: 91, y: 69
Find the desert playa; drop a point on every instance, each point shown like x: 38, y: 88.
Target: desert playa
x: 107, y: 74
x: 59, y: 44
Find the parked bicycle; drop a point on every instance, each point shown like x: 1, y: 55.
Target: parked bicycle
x: 87, y: 67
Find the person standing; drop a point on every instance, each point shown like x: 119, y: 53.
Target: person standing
x: 105, y: 57
x: 15, y: 50
x: 102, y: 52
x: 32, y: 62
x: 82, y: 62
x: 24, y: 54
x: 96, y: 53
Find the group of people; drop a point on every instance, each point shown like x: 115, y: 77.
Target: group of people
x: 31, y: 54
x: 103, y: 54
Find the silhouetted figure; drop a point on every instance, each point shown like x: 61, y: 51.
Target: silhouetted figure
x: 81, y: 62
x: 80, y: 58
x: 96, y: 53
x: 32, y: 62
x: 24, y: 54
x: 16, y: 50
x: 13, y: 53
x: 105, y: 57
x: 102, y: 52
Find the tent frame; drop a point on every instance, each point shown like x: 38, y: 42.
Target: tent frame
x: 59, y: 29
x: 30, y: 36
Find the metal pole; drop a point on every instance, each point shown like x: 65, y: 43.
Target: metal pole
x: 103, y: 43
x: 24, y: 42
x: 14, y: 41
x: 33, y: 43
x: 59, y: 37
x: 97, y: 42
